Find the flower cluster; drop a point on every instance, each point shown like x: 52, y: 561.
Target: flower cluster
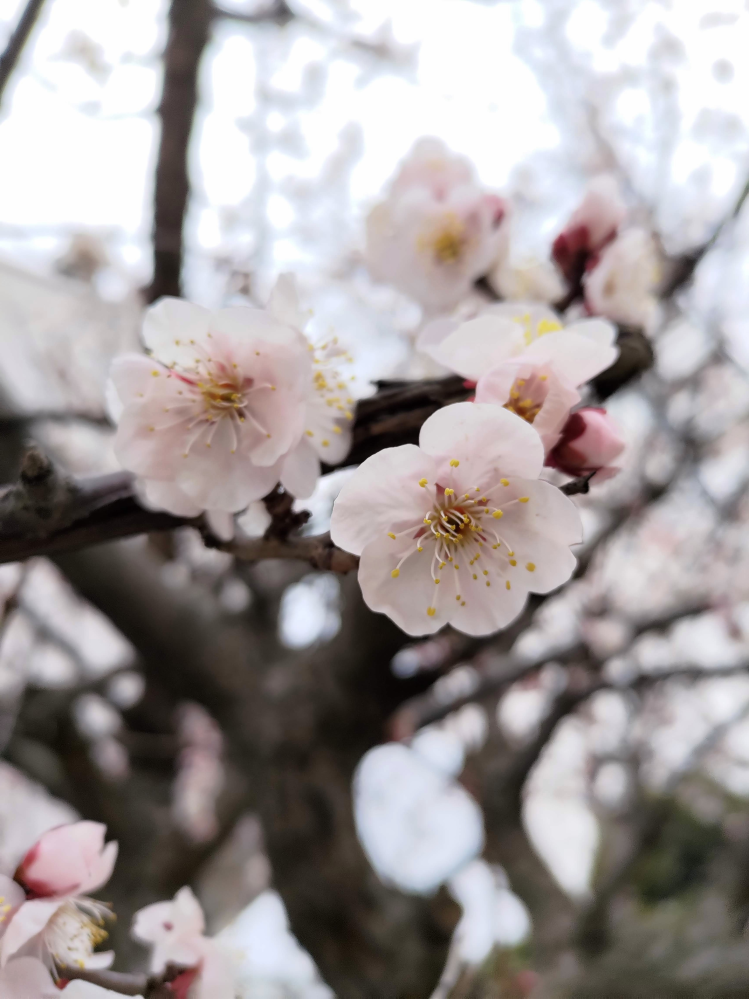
x: 226, y: 405
x: 50, y: 926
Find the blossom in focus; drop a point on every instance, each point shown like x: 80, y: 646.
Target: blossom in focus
x: 593, y: 223
x: 524, y: 359
x: 175, y: 931
x: 590, y: 442
x: 622, y: 282
x: 328, y: 417
x: 437, y: 231
x: 459, y: 529
x: 58, y: 923
x: 207, y: 420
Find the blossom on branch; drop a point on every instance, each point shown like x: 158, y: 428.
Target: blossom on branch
x: 437, y: 231
x: 459, y: 529
x: 175, y: 931
x: 208, y: 419
x: 621, y: 284
x: 524, y: 359
x: 590, y: 442
x: 57, y: 922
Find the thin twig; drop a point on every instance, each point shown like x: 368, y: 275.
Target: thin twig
x: 17, y: 42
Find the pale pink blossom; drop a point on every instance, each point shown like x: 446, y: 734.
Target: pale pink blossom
x: 58, y: 923
x: 459, y: 529
x: 593, y: 223
x: 527, y: 279
x: 437, y: 231
x: 431, y: 165
x: 27, y: 978
x: 621, y: 284
x: 524, y: 359
x: 590, y: 442
x: 207, y: 420
x: 327, y: 421
x: 176, y: 932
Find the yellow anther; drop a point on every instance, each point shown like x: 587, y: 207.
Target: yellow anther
x: 336, y: 430
x: 395, y: 573
x: 423, y: 482
x: 449, y: 492
x: 431, y: 611
x: 458, y: 597
x: 462, y: 603
x: 475, y: 576
x: 548, y: 326
x: 391, y: 535
x: 523, y: 499
x: 454, y: 463
x: 437, y: 580
x: 505, y: 482
x: 530, y: 566
x: 456, y: 566
x: 419, y: 548
x: 326, y: 443
x: 155, y: 374
x: 497, y: 514
x: 486, y: 572
x: 513, y: 561
x: 497, y: 544
x: 507, y: 585
x: 543, y: 378
x: 510, y: 554
x: 488, y: 583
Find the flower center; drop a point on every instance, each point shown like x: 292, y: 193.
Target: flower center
x: 448, y: 242
x: 528, y: 395
x: 75, y: 930
x: 532, y: 331
x: 222, y: 393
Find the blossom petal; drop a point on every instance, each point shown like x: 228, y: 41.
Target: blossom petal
x: 27, y: 978
x: 485, y: 439
x: 478, y: 345
x: 301, y: 470
x: 483, y: 609
x: 158, y: 495
x: 576, y: 358
x: 411, y: 599
x: 170, y: 325
x: 28, y: 921
x: 65, y: 860
x: 221, y: 524
x: 283, y: 303
x: 240, y: 321
x: 100, y: 869
x: 255, y: 521
x: 383, y: 495
x: 547, y: 511
x: 12, y: 896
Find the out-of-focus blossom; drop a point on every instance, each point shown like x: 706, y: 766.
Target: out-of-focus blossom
x: 622, y: 282
x: 528, y: 280
x: 207, y: 421
x: 27, y: 978
x: 590, y: 442
x: 200, y: 773
x: 525, y: 360
x: 327, y: 421
x: 593, y: 223
x: 58, y: 923
x: 459, y: 529
x: 438, y: 230
x: 175, y: 931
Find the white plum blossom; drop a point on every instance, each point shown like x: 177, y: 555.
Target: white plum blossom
x: 621, y: 285
x: 527, y: 279
x: 593, y: 223
x: 437, y: 231
x: 524, y: 359
x: 459, y: 529
x: 57, y: 922
x: 208, y: 419
x: 176, y: 932
x: 328, y: 416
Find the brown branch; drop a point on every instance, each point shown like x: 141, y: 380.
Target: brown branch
x: 17, y: 42
x: 277, y: 12
x: 189, y: 29
x: 148, y: 986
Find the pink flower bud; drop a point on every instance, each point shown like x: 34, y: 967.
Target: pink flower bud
x: 590, y: 442
x: 593, y: 224
x: 68, y: 860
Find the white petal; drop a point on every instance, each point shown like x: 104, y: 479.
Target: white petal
x: 547, y: 512
x: 487, y: 441
x: 283, y: 303
x: 575, y: 358
x: 408, y: 598
x: 301, y: 470
x: 221, y: 524
x: 382, y: 495
x: 29, y: 920
x: 483, y: 609
x: 157, y: 495
x: 600, y: 330
x: 242, y: 322
x: 478, y: 345
x: 171, y: 320
x: 255, y: 521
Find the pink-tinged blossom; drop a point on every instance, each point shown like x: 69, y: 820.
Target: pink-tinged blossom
x: 526, y: 279
x: 459, y: 529
x: 622, y: 282
x: 593, y: 223
x: 208, y: 418
x: 590, y: 442
x: 175, y: 931
x: 522, y: 358
x: 328, y: 417
x: 27, y: 978
x: 58, y: 923
x: 437, y: 231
